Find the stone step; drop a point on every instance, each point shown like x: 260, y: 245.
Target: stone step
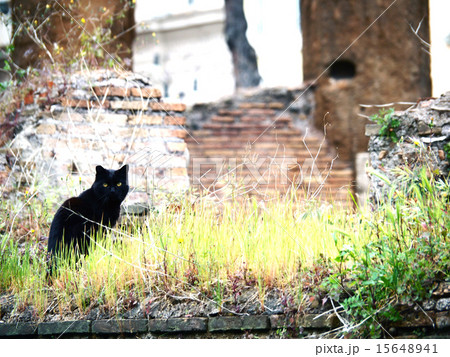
x: 266, y: 133
x: 323, y: 163
x: 247, y: 151
x: 267, y: 177
x: 261, y: 105
x: 233, y: 127
x: 256, y: 148
x: 341, y: 197
x: 262, y: 141
x: 267, y: 120
x: 209, y: 156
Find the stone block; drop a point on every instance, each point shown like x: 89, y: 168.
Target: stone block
x: 442, y: 290
x: 443, y: 304
x: 373, y: 129
x: 281, y: 321
x: 233, y: 323
x: 64, y: 327
x: 46, y: 129
x: 443, y: 319
x: 425, y: 129
x: 112, y: 91
x: 429, y: 304
x: 71, y: 117
x: 197, y: 324
x: 320, y: 321
x: 18, y: 329
x: 416, y: 319
x: 119, y: 326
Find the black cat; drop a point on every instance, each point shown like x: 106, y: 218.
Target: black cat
x: 78, y: 220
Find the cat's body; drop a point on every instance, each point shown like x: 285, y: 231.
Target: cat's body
x: 79, y: 219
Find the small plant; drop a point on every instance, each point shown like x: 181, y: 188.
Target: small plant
x: 447, y: 150
x: 388, y: 123
x: 409, y: 235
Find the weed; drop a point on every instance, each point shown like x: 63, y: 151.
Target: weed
x: 409, y: 235
x: 447, y: 150
x: 389, y: 123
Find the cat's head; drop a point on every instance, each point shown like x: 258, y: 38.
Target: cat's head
x: 111, y: 185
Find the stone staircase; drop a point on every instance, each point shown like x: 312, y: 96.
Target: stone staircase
x: 255, y: 148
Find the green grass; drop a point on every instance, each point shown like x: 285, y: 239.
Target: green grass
x: 368, y: 260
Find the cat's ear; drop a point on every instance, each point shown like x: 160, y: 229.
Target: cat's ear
x: 100, y: 170
x: 123, y: 171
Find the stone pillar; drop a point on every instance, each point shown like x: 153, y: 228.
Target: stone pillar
x: 363, y: 52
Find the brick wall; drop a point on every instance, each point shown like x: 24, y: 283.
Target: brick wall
x: 106, y: 119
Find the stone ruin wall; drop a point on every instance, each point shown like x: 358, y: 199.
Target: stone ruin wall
x: 424, y: 131
x: 106, y: 119
x: 268, y: 318
x: 363, y: 52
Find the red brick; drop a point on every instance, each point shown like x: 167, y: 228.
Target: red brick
x: 259, y: 111
x: 83, y: 103
x: 275, y: 105
x: 139, y: 132
x: 146, y: 92
x: 222, y: 119
x: 171, y: 120
x: 251, y: 105
x: 168, y: 133
x: 130, y: 105
x: 167, y: 107
x: 112, y: 91
x: 252, y: 119
x: 145, y: 119
x: 228, y: 112
x: 109, y: 118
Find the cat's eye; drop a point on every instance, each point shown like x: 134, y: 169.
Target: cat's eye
x: 105, y: 185
x: 119, y: 184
